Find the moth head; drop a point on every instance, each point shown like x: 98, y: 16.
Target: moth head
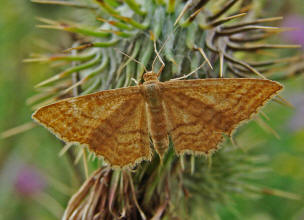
x: 150, y: 76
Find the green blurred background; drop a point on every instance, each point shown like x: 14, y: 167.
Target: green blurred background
x: 34, y: 154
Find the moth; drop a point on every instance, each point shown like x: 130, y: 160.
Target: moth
x: 118, y: 124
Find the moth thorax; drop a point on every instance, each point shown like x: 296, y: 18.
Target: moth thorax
x: 150, y: 76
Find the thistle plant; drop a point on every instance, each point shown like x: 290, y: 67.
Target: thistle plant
x: 220, y: 37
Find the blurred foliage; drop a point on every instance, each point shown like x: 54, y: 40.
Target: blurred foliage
x: 19, y: 37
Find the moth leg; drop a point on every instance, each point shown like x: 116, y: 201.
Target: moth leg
x: 189, y: 74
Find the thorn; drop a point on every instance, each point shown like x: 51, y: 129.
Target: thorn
x: 234, y: 143
x: 31, y: 60
x: 85, y: 163
x: 193, y: 16
x: 192, y: 164
x: 47, y: 102
x: 78, y: 157
x: 224, y: 9
x: 49, y: 80
x: 205, y: 56
x: 254, y: 22
x: 221, y: 64
x: 264, y: 115
x: 232, y: 31
x: 45, y: 26
x: 81, y: 47
x: 64, y: 3
x: 223, y: 20
x: 31, y: 100
x: 182, y: 162
x: 244, y: 64
x: 186, y: 7
x: 17, y: 130
x: 266, y: 127
x: 65, y: 149
x: 209, y: 158
x: 283, y: 101
x: 47, y: 21
x: 281, y: 193
x: 75, y: 85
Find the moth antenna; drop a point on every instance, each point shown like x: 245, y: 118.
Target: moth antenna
x: 160, y: 50
x: 132, y: 59
x: 189, y: 74
x: 160, y: 59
